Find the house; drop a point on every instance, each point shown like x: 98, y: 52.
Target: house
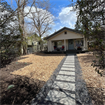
x: 32, y: 42
x: 32, y: 46
x: 66, y: 38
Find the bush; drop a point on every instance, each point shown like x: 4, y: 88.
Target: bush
x: 6, y: 57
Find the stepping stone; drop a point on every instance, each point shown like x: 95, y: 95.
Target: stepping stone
x: 64, y: 85
x: 68, y: 66
x: 69, y: 59
x: 67, y: 73
x: 61, y: 97
x: 68, y: 69
x: 65, y: 78
x: 70, y: 56
x: 69, y: 63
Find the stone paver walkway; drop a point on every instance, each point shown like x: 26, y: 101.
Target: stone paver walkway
x: 64, y: 82
x: 64, y: 87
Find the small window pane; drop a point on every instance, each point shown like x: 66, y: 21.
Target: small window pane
x: 65, y: 32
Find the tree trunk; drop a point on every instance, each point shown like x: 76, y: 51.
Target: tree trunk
x: 21, y: 25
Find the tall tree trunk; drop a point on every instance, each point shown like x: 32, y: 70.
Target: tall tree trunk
x: 21, y: 26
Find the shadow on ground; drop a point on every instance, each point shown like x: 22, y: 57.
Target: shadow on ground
x: 22, y: 89
x: 97, y: 95
x: 49, y: 54
x: 13, y: 66
x: 87, y: 58
x: 5, y: 73
x: 20, y: 58
x: 19, y: 91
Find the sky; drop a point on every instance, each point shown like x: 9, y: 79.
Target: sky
x: 63, y: 16
x: 62, y: 12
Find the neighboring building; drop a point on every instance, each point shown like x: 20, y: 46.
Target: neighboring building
x: 69, y: 38
x: 32, y: 42
x: 32, y: 46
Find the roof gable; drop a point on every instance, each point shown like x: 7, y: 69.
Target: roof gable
x: 61, y: 30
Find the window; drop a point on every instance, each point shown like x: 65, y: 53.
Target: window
x: 65, y: 32
x: 79, y: 42
x: 59, y: 43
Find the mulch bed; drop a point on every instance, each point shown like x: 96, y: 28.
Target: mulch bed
x: 95, y: 82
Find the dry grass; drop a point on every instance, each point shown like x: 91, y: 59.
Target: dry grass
x: 41, y: 66
x: 95, y: 83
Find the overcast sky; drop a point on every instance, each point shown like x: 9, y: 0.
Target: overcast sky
x: 63, y: 16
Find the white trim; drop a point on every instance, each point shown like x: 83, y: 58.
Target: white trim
x: 50, y: 46
x: 67, y: 44
x: 86, y: 44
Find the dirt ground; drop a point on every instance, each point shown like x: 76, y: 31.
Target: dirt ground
x: 95, y: 82
x: 41, y: 66
x: 38, y: 67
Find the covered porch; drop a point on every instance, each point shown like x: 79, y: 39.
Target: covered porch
x: 67, y: 44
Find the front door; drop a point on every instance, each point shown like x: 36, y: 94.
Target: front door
x: 70, y: 44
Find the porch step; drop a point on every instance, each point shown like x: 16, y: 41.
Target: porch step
x: 71, y: 51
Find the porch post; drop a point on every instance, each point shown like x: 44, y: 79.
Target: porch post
x: 86, y: 44
x: 50, y: 45
x: 65, y: 44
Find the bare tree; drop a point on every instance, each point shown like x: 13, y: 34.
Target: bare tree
x: 21, y: 24
x: 40, y: 18
x: 19, y: 11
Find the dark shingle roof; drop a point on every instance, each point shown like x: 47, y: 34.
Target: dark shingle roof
x: 64, y: 28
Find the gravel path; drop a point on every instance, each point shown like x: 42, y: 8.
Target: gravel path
x: 65, y: 86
